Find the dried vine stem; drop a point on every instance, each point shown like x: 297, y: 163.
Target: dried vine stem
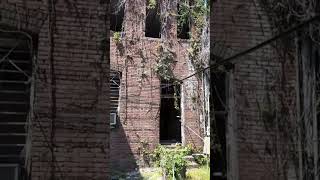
x: 52, y: 27
x: 285, y: 13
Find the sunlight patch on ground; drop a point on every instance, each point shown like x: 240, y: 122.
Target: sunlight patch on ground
x: 152, y: 175
x: 202, y: 173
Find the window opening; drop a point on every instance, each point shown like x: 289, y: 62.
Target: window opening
x: 183, y: 31
x: 219, y: 109
x: 153, y: 22
x: 15, y: 74
x: 170, y: 122
x: 114, y: 96
x: 117, y: 16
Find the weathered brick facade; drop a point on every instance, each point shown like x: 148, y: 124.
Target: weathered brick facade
x: 69, y: 132
x: 71, y: 137
x: 139, y: 117
x: 236, y: 26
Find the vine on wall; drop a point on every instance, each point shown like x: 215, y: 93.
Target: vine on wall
x: 287, y: 132
x: 198, y: 14
x: 165, y: 62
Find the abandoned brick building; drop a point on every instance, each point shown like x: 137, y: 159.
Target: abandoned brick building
x: 58, y: 119
x: 54, y: 93
x: 144, y: 110
x: 54, y: 71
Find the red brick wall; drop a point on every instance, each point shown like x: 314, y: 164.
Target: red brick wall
x: 236, y: 26
x: 139, y: 114
x: 77, y: 127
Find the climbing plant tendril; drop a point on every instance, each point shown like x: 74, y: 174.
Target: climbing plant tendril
x: 165, y: 62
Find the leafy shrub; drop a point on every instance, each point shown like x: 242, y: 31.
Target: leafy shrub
x: 152, y: 4
x: 171, y: 161
x: 117, y: 37
x: 202, y: 160
x: 144, y: 152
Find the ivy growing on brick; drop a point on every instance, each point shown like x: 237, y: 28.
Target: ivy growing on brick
x: 165, y: 61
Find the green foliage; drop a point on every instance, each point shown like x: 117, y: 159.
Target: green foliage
x: 202, y: 160
x: 118, y: 41
x: 117, y: 37
x: 165, y: 62
x: 199, y: 13
x: 171, y: 161
x: 144, y: 151
x: 196, y: 13
x: 202, y: 173
x: 184, y: 13
x: 152, y: 4
x: 199, y: 17
x: 164, y: 68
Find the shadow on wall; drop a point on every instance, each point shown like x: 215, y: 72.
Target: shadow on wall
x: 121, y: 157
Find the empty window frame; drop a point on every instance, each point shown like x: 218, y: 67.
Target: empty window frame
x: 114, y: 96
x: 183, y: 31
x: 15, y: 74
x: 170, y: 122
x: 153, y: 22
x: 117, y: 15
x: 219, y: 110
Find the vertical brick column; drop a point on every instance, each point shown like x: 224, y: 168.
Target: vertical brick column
x: 70, y: 140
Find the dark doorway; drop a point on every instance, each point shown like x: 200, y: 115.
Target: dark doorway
x: 219, y: 110
x: 170, y: 125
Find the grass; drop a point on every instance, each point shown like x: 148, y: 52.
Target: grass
x: 202, y: 173
x: 154, y: 175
